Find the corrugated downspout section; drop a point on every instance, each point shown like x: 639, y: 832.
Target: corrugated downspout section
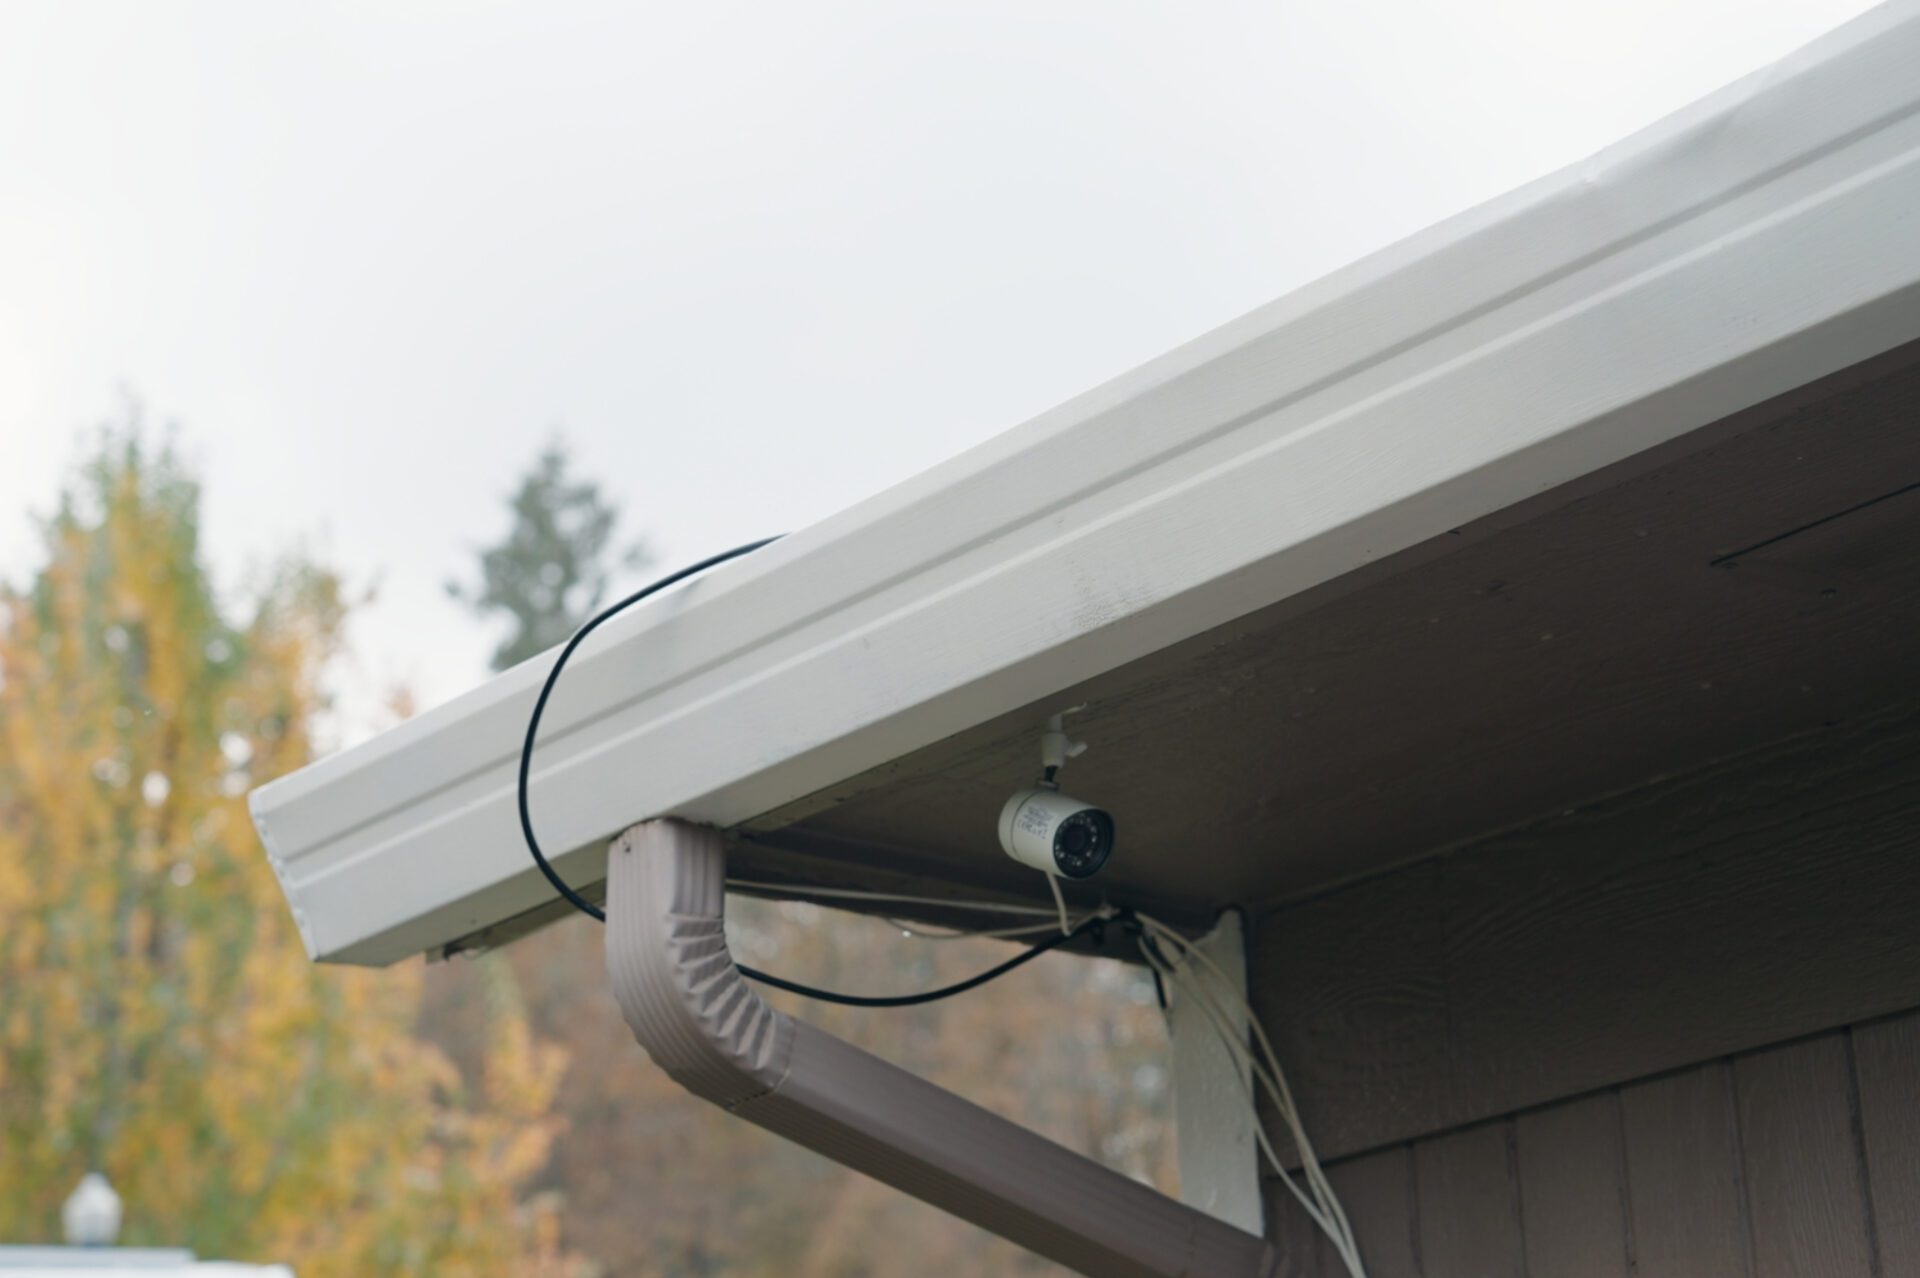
x: 698, y: 1019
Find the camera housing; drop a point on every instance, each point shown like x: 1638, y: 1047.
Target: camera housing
x: 1056, y: 833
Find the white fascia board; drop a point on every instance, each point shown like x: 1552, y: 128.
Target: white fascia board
x: 1765, y: 237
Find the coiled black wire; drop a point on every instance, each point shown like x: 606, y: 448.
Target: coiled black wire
x: 588, y: 908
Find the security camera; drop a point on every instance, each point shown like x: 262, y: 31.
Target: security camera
x: 1055, y: 833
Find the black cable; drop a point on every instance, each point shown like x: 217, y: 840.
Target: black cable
x: 925, y: 996
x: 579, y: 902
x: 591, y: 910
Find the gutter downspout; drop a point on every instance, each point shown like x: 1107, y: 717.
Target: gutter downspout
x: 690, y: 1008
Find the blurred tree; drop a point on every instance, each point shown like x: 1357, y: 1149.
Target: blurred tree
x: 159, y: 1019
x: 552, y: 570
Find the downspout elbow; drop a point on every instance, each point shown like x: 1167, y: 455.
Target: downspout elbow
x: 688, y: 1005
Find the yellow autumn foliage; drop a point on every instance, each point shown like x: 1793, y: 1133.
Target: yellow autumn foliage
x: 159, y: 1019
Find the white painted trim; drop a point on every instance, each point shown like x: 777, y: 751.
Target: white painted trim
x: 1760, y: 239
x: 1213, y: 1114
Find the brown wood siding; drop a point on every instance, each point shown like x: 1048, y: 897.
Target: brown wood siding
x: 1684, y: 1191
x: 1799, y: 1159
x: 1751, y: 902
x: 1886, y: 1066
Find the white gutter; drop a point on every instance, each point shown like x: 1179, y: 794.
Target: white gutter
x: 690, y: 1008
x: 1757, y: 241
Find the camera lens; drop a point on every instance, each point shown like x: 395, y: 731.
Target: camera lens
x: 1082, y: 843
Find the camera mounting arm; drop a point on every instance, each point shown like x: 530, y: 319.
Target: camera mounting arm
x: 689, y: 1007
x: 1056, y: 747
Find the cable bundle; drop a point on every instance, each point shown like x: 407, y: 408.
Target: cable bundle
x: 1194, y: 977
x: 1190, y: 976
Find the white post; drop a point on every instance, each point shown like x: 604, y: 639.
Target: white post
x: 91, y: 1215
x: 1212, y: 1097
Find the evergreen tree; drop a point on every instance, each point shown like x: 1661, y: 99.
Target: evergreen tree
x: 552, y: 570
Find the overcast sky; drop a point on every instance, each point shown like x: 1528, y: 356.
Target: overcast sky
x: 753, y: 262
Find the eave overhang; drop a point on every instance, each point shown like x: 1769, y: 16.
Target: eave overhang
x: 1765, y: 238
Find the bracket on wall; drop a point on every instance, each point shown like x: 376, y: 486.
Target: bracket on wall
x: 1213, y: 1111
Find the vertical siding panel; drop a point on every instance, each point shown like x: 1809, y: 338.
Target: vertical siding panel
x: 1377, y: 1192
x: 1469, y: 1207
x: 1683, y: 1176
x: 1807, y: 1204
x: 1887, y: 1063
x: 1574, y: 1217
x: 1296, y: 1239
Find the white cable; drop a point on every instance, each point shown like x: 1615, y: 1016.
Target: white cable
x: 1275, y: 1081
x: 1323, y: 1209
x: 1060, y: 904
x: 1216, y: 1019
x: 922, y: 932
x: 1317, y: 1208
x: 1224, y: 1029
x: 1331, y: 1217
x: 1309, y: 1160
x: 1318, y: 1199
x: 1063, y: 920
x: 852, y: 894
